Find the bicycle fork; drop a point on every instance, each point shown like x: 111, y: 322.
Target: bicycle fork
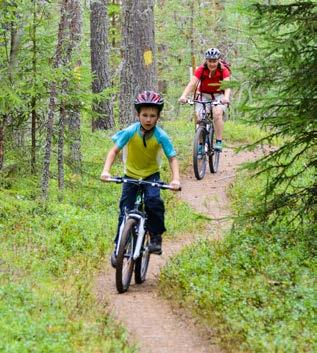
x: 140, y: 232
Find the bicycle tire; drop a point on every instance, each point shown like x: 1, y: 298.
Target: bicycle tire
x: 142, y: 262
x: 214, y: 156
x: 199, y: 153
x: 125, y: 262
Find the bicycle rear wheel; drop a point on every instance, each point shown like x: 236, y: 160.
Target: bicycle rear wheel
x: 214, y: 156
x: 142, y: 262
x: 199, y: 153
x: 125, y: 262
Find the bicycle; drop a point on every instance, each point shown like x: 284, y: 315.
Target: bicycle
x: 204, y: 141
x: 132, y: 251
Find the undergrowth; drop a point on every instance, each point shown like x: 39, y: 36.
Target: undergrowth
x: 51, y: 252
x: 257, y: 286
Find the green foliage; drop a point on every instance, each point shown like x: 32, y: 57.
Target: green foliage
x: 256, y: 287
x: 190, y: 22
x: 51, y: 253
x: 48, y: 258
x: 282, y: 75
x: 239, y: 132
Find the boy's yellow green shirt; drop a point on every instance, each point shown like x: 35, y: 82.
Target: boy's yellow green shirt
x: 140, y: 161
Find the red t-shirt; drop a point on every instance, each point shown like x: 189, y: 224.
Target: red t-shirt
x: 210, y: 84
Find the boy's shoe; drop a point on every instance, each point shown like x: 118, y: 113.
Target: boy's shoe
x: 155, y: 246
x: 113, y: 259
x: 218, y: 146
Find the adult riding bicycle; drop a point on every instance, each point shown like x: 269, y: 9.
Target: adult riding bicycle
x: 204, y: 139
x: 132, y: 250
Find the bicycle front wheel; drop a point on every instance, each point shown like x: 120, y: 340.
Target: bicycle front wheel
x: 214, y: 156
x: 125, y: 262
x: 199, y: 153
x: 142, y: 262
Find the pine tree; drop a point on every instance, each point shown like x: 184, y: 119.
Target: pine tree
x: 139, y: 55
x: 103, y: 106
x: 283, y: 77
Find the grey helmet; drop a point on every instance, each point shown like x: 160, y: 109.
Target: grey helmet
x: 212, y: 53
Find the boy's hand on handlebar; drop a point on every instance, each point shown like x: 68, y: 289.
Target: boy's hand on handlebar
x: 175, y: 184
x: 105, y: 176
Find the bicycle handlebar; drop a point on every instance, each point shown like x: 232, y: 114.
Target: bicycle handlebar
x: 211, y: 102
x: 158, y: 184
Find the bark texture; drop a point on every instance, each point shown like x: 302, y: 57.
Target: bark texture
x: 102, y: 108
x: 138, y: 55
x: 67, y: 42
x: 2, y: 142
x: 73, y: 109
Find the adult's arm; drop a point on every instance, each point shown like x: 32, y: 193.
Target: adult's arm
x: 192, y: 84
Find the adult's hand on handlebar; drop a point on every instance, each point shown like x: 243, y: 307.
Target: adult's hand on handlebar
x: 105, y: 176
x: 225, y: 101
x: 183, y: 100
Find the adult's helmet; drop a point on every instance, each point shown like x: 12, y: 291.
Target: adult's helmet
x: 212, y: 53
x: 148, y: 98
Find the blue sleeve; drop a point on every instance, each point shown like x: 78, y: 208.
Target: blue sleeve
x: 122, y: 137
x: 165, y: 142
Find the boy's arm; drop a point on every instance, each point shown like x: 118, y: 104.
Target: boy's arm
x: 175, y: 183
x: 111, y: 156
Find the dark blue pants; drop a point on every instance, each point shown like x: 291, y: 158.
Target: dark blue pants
x: 154, y: 205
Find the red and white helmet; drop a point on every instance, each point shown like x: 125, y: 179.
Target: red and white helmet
x: 148, y: 98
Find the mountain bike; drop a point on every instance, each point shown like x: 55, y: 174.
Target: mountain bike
x: 132, y: 247
x: 204, y: 140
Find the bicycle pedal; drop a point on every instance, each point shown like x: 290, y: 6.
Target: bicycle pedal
x: 157, y: 252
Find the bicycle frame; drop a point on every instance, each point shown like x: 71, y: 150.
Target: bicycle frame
x: 206, y: 116
x: 203, y: 140
x: 137, y: 213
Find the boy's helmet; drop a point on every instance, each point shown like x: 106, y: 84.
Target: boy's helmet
x: 148, y: 98
x: 212, y: 53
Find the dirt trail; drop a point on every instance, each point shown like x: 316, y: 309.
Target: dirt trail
x: 151, y: 322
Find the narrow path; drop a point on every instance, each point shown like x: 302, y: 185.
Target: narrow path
x: 151, y: 322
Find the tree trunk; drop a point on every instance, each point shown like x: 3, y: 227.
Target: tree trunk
x: 11, y: 51
x: 138, y: 55
x: 60, y: 149
x: 75, y: 156
x: 73, y: 110
x: 33, y: 134
x: 103, y: 107
x: 33, y: 99
x: 2, y: 122
x: 192, y: 36
x: 15, y: 37
x: 48, y: 142
x: 60, y: 47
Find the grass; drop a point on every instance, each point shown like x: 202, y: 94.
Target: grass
x: 257, y: 286
x: 51, y: 252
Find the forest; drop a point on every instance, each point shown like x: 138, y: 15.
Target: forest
x: 70, y: 71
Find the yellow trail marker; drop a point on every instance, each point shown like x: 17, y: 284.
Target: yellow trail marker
x: 148, y: 57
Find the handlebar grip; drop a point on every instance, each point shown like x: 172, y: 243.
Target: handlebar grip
x: 117, y: 180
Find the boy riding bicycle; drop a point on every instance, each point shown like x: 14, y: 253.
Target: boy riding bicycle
x: 142, y: 143
x: 207, y: 79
